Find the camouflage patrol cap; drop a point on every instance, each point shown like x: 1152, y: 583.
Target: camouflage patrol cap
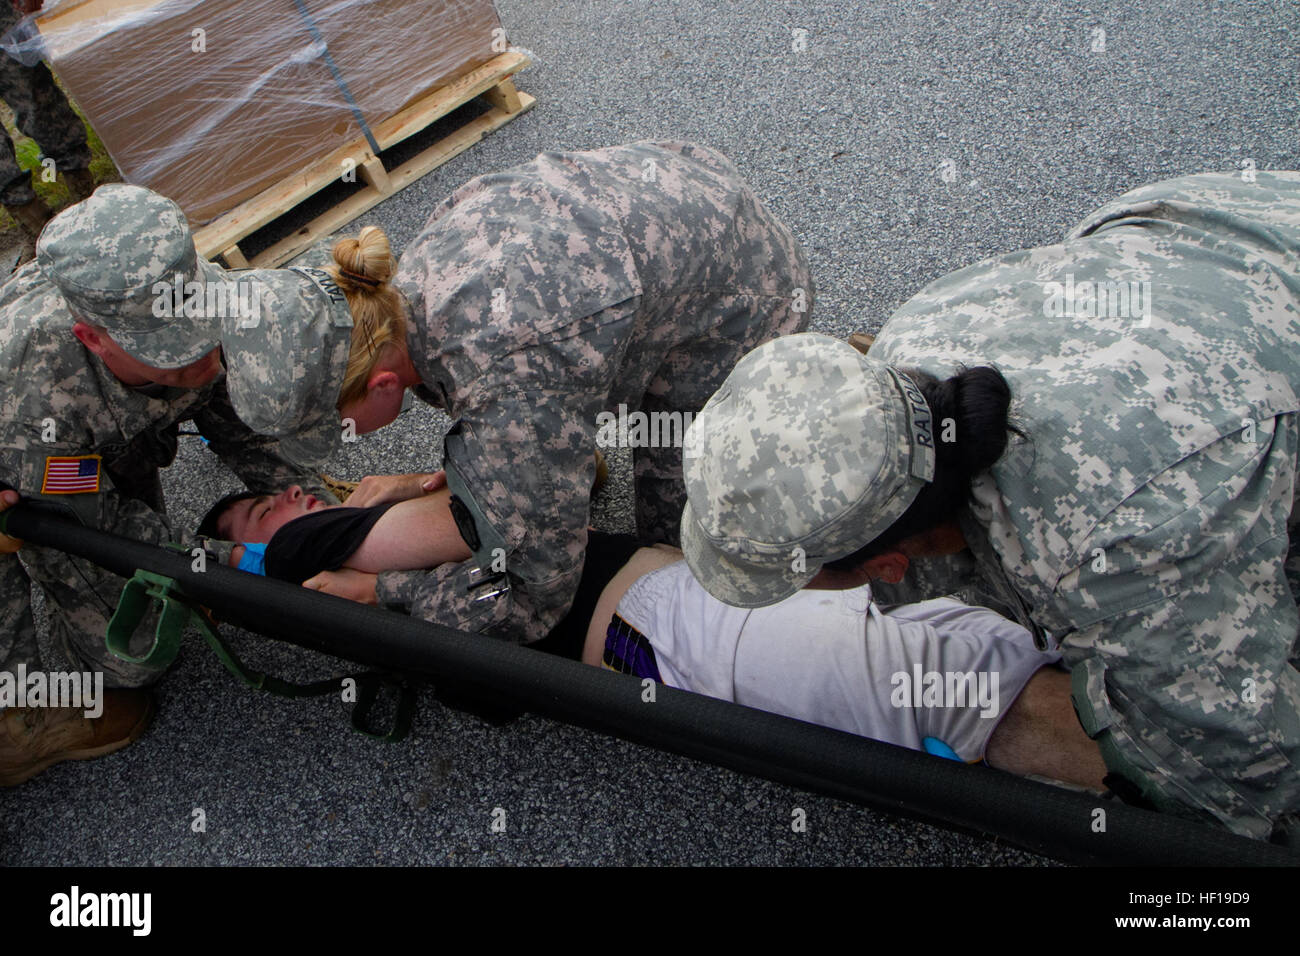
x: 286, y: 358
x: 107, y: 256
x: 808, y: 451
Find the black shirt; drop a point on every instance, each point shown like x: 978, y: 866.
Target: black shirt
x: 319, y: 541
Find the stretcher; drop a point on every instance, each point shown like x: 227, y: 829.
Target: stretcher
x: 1044, y: 819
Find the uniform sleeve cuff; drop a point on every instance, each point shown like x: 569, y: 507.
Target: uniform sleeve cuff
x: 396, y: 589
x: 218, y: 551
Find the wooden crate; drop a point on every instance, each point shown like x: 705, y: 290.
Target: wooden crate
x: 493, y: 80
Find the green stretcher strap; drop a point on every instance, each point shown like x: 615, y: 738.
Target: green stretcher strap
x: 145, y: 589
x: 138, y: 596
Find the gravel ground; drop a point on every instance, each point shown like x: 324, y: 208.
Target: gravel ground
x: 900, y: 141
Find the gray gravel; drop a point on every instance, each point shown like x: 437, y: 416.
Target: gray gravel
x: 847, y: 141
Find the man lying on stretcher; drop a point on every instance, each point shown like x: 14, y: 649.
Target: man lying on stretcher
x: 940, y: 675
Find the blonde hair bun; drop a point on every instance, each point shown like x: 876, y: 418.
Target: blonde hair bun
x: 362, y: 268
x: 367, y: 257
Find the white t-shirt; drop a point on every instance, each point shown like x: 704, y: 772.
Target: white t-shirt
x: 935, y: 669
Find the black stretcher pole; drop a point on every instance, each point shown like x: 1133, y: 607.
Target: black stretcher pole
x: 1042, y: 818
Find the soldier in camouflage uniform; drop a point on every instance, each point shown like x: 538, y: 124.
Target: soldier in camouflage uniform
x: 539, y: 298
x: 1155, y: 361
x: 95, y: 385
x: 42, y: 112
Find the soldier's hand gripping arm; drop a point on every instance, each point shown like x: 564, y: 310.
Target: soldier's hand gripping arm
x: 381, y: 489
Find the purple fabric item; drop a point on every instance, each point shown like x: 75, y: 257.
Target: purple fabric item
x: 628, y: 652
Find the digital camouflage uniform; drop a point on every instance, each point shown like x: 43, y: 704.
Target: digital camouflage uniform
x: 1145, y: 523
x: 548, y: 293
x: 42, y: 112
x: 57, y: 399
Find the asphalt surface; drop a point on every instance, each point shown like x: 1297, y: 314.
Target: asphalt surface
x: 903, y: 141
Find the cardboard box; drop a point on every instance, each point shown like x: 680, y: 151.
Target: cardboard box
x: 212, y: 101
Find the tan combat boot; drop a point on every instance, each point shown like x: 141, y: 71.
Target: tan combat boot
x: 33, y: 738
x: 80, y: 182
x: 31, y: 217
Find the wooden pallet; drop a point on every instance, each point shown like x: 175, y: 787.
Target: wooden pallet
x: 493, y: 80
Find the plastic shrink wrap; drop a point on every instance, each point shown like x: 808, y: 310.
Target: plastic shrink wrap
x: 211, y: 101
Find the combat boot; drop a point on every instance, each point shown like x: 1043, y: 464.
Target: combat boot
x: 80, y: 182
x: 34, y: 738
x: 31, y: 218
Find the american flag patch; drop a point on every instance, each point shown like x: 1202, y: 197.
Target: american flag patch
x: 71, y: 476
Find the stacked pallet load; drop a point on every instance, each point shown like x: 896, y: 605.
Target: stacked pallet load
x: 240, y: 110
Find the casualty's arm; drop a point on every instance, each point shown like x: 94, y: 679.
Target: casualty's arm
x: 415, y: 534
x: 418, y: 533
x: 346, y: 583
